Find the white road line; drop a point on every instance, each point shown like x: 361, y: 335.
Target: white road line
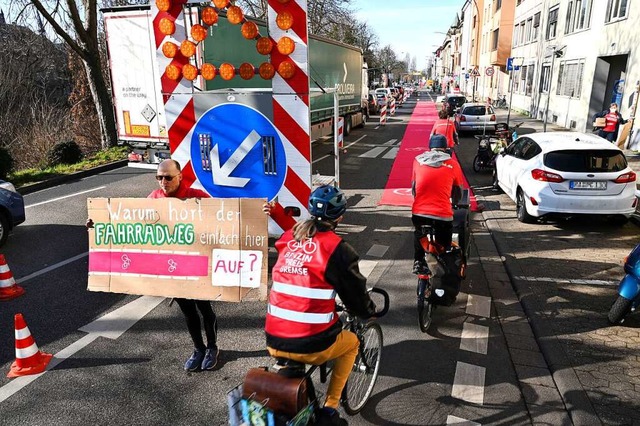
x: 479, y: 305
x: 51, y: 268
x: 568, y: 281
x: 377, y: 250
x: 66, y: 196
x: 468, y: 383
x: 390, y: 142
x: 366, y: 267
x: 356, y: 141
x: 391, y: 154
x: 475, y: 338
x: 112, y: 325
x: 453, y: 420
x: 373, y: 153
x: 321, y: 158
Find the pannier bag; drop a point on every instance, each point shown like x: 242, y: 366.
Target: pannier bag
x: 446, y: 274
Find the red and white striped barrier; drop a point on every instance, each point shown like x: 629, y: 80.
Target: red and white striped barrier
x: 340, y: 135
x: 29, y: 359
x: 393, y: 107
x: 383, y: 114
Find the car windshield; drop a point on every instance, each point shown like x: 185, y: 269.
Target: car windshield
x: 475, y: 110
x: 578, y: 160
x: 456, y: 100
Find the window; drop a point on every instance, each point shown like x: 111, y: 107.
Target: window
x: 529, y: 86
x: 494, y: 40
x: 522, y: 85
x: 536, y: 26
x: 570, y: 78
x: 527, y: 30
x: 586, y: 161
x: 578, y: 15
x: 523, y: 38
x: 498, y: 4
x: 516, y: 35
x: 552, y: 26
x: 545, y: 82
x: 616, y: 9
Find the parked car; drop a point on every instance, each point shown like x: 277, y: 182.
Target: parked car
x: 566, y: 173
x: 475, y: 116
x: 385, y: 90
x: 372, y: 103
x: 11, y: 209
x: 454, y: 101
x: 383, y: 99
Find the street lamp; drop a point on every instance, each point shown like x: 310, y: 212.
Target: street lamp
x: 555, y: 53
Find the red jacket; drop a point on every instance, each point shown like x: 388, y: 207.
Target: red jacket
x: 446, y: 128
x: 434, y: 175
x: 182, y: 192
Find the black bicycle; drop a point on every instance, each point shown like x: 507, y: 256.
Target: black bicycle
x: 361, y: 381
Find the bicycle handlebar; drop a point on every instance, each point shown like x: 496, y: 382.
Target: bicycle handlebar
x: 385, y: 295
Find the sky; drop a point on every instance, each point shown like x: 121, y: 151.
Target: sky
x: 409, y: 25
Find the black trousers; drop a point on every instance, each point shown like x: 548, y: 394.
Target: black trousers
x: 442, y: 229
x: 190, y: 310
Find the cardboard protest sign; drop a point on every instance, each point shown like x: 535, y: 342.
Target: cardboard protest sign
x: 208, y: 249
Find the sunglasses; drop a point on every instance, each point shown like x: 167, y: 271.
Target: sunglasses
x: 167, y: 178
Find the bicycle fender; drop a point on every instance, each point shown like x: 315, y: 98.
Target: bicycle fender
x: 629, y: 287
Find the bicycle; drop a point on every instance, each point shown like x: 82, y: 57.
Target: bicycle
x: 260, y: 409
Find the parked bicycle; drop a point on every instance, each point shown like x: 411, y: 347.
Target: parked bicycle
x: 489, y: 146
x: 501, y: 102
x: 287, y: 395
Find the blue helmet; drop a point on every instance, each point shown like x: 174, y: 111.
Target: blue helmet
x: 327, y: 202
x: 437, y: 141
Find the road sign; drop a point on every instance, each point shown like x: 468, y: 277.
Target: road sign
x: 489, y: 71
x: 475, y: 72
x: 236, y: 152
x: 509, y: 64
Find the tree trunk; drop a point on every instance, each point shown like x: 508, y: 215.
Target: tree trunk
x: 102, y: 98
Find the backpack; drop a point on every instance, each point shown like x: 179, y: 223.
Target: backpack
x: 447, y: 271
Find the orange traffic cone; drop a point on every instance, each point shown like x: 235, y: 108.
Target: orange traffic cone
x: 8, y: 287
x: 29, y: 359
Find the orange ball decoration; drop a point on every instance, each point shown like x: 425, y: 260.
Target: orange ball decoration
x: 189, y: 72
x: 208, y: 71
x: 209, y: 15
x: 267, y: 71
x: 198, y: 32
x: 286, y: 46
x: 235, y: 15
x: 284, y: 20
x: 264, y: 45
x: 188, y: 48
x: 249, y: 30
x: 163, y: 5
x: 166, y: 26
x: 221, y: 4
x: 247, y: 71
x: 227, y: 71
x: 170, y: 49
x: 286, y: 69
x: 173, y: 72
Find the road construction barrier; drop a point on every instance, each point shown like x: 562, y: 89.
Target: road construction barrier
x: 8, y: 287
x: 393, y: 107
x: 383, y: 114
x: 340, y: 132
x: 29, y: 359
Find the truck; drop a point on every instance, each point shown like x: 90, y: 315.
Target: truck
x: 139, y: 110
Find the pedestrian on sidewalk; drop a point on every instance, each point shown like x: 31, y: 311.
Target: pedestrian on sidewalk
x: 613, y: 120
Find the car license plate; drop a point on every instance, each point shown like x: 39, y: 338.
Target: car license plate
x: 588, y: 184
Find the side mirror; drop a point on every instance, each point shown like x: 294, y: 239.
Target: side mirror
x: 292, y: 211
x: 503, y: 152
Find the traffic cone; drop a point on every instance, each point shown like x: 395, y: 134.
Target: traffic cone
x: 8, y: 287
x: 29, y: 359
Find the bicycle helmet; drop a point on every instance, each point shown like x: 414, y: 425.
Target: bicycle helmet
x: 437, y: 141
x: 327, y: 202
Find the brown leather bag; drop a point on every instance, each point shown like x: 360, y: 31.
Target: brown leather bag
x: 281, y: 394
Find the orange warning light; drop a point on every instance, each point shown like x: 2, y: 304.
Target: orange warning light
x: 247, y: 71
x: 264, y: 45
x: 221, y: 4
x: 284, y: 20
x: 173, y: 72
x: 267, y: 70
x: 166, y: 26
x: 249, y: 30
x: 188, y: 48
x: 189, y: 72
x: 163, y: 5
x: 286, y: 46
x: 170, y: 49
x: 227, y: 71
x: 198, y: 32
x: 209, y: 15
x: 208, y: 71
x: 286, y: 69
x: 235, y: 15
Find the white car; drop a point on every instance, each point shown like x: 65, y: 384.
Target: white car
x: 566, y: 173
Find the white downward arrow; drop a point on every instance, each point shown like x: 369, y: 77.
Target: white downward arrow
x: 221, y: 174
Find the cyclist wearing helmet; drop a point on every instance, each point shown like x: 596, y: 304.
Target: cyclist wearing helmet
x: 313, y: 265
x: 437, y: 179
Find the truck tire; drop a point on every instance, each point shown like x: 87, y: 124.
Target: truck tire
x: 347, y: 125
x: 619, y: 309
x: 365, y: 118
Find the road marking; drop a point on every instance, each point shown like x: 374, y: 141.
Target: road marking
x: 390, y: 142
x: 321, y: 158
x: 377, y: 250
x: 356, y: 141
x: 391, y: 154
x: 373, y: 153
x: 52, y: 267
x: 66, y: 196
x: 468, y: 383
x: 366, y: 267
x: 475, y: 338
x: 112, y: 325
x: 566, y: 281
x: 453, y: 420
x: 479, y: 305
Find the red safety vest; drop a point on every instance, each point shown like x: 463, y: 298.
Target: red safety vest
x: 445, y: 128
x: 301, y: 301
x: 612, y: 121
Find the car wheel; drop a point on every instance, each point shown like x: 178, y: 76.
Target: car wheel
x: 521, y: 209
x: 4, y: 229
x: 347, y: 125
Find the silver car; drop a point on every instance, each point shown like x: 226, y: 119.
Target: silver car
x: 475, y: 117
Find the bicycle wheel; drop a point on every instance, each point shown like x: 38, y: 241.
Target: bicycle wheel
x: 477, y: 164
x: 425, y: 307
x: 363, y: 377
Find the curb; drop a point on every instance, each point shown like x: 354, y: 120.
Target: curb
x: 49, y: 183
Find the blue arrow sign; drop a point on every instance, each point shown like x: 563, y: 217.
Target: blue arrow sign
x: 509, y: 64
x: 236, y: 152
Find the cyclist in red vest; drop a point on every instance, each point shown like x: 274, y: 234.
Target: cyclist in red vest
x: 443, y: 126
x: 313, y: 265
x: 436, y: 181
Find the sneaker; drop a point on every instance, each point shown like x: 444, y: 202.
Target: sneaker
x: 329, y: 417
x: 194, y: 363
x: 420, y: 268
x: 210, y: 359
